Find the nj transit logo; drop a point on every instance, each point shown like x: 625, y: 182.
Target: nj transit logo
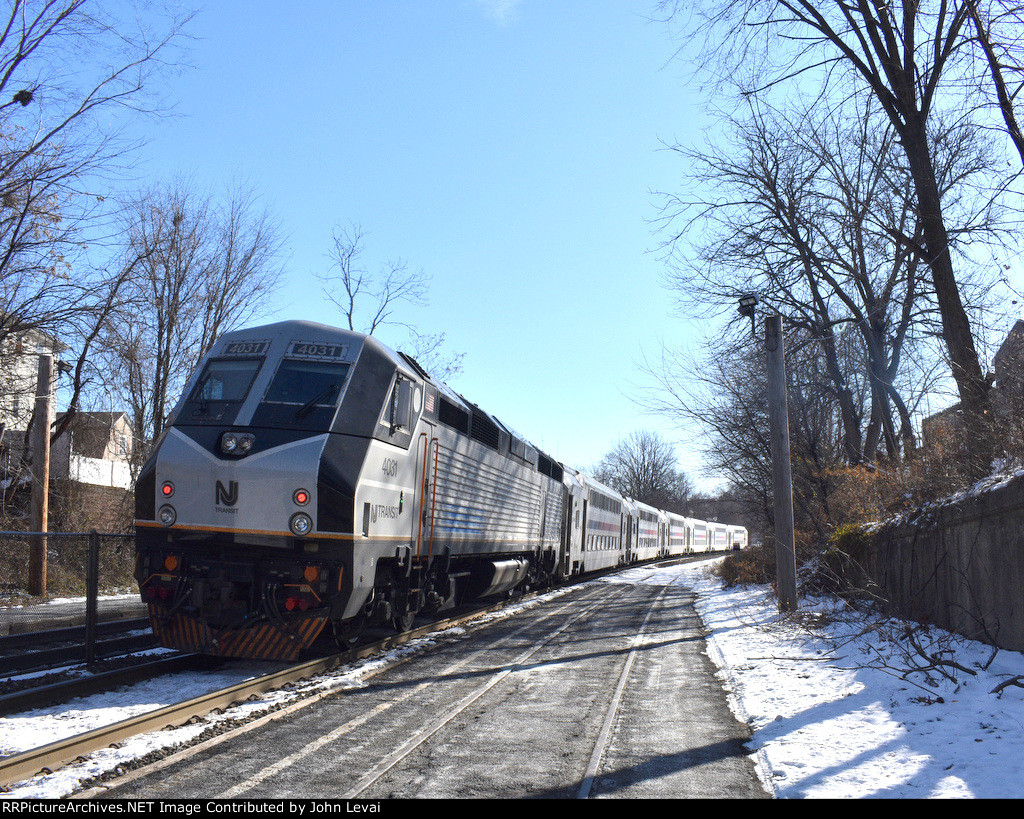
x: 229, y: 496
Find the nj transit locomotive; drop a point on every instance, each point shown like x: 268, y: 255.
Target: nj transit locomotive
x: 310, y: 478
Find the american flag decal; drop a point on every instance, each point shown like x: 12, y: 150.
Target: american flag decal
x: 430, y: 402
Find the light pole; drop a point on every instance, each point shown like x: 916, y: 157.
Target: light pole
x: 40, y: 501
x: 782, y: 479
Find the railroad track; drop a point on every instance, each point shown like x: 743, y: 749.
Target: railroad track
x: 20, y: 653
x: 58, y: 692
x: 566, y: 618
x: 50, y: 757
x: 30, y: 639
x: 47, y: 758
x: 417, y: 717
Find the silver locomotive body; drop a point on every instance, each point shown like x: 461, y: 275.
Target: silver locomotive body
x: 312, y: 478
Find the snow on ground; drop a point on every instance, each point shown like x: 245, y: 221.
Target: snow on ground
x: 829, y: 711
x: 832, y: 716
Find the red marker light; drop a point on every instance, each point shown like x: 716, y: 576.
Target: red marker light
x: 301, y: 497
x: 168, y: 489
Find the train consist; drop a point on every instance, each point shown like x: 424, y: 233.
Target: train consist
x: 310, y: 478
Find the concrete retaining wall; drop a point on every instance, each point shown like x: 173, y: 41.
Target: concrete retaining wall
x: 960, y: 566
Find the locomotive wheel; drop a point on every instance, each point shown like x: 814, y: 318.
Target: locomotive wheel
x: 346, y: 635
x: 403, y: 622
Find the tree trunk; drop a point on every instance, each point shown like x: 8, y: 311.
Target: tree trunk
x: 956, y: 329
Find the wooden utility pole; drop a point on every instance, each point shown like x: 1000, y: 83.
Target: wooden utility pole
x: 40, y: 476
x: 782, y: 478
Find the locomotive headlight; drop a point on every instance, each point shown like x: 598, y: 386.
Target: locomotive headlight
x: 301, y: 524
x: 237, y: 443
x: 167, y: 515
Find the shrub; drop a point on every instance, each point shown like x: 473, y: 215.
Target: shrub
x: 752, y: 566
x: 843, y: 566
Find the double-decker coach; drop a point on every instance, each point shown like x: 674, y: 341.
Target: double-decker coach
x: 677, y: 534
x: 602, y: 527
x: 647, y: 524
x: 737, y: 538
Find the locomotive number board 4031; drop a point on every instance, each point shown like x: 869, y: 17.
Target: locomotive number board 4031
x: 312, y: 349
x: 246, y: 348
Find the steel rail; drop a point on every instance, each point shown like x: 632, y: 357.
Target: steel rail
x: 43, y: 695
x: 515, y: 665
x: 56, y: 658
x: 611, y: 715
x: 20, y: 639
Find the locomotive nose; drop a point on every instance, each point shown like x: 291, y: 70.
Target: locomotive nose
x: 271, y: 492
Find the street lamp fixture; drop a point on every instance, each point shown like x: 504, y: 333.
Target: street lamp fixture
x: 747, y: 304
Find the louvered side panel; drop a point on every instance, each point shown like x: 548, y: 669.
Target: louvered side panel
x: 476, y: 501
x: 553, y: 518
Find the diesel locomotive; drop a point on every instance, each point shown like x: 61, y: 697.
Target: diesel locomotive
x: 311, y: 479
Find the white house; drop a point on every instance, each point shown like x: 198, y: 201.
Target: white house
x: 19, y: 372
x: 95, y: 449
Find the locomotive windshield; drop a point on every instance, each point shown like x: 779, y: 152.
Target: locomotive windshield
x: 225, y: 380
x: 303, y: 394
x: 220, y: 390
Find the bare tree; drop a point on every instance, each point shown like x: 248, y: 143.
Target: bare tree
x: 999, y: 33
x: 201, y: 270
x: 721, y: 399
x: 70, y: 72
x: 907, y: 54
x: 722, y: 396
x: 72, y: 75
x: 370, y: 301
x: 809, y: 210
x: 104, y: 300
x: 429, y: 351
x: 643, y: 467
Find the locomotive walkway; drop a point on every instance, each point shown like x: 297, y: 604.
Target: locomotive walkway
x: 603, y: 691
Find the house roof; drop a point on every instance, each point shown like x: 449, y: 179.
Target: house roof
x: 1011, y: 352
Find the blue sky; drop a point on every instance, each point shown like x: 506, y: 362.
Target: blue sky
x: 507, y: 148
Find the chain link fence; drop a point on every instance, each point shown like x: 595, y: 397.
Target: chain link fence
x: 88, y: 579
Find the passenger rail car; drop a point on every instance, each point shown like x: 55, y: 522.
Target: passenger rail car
x: 679, y: 535
x: 309, y: 479
x: 647, y: 528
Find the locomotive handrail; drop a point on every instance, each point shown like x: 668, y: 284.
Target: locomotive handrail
x: 433, y: 493
x: 423, y: 494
